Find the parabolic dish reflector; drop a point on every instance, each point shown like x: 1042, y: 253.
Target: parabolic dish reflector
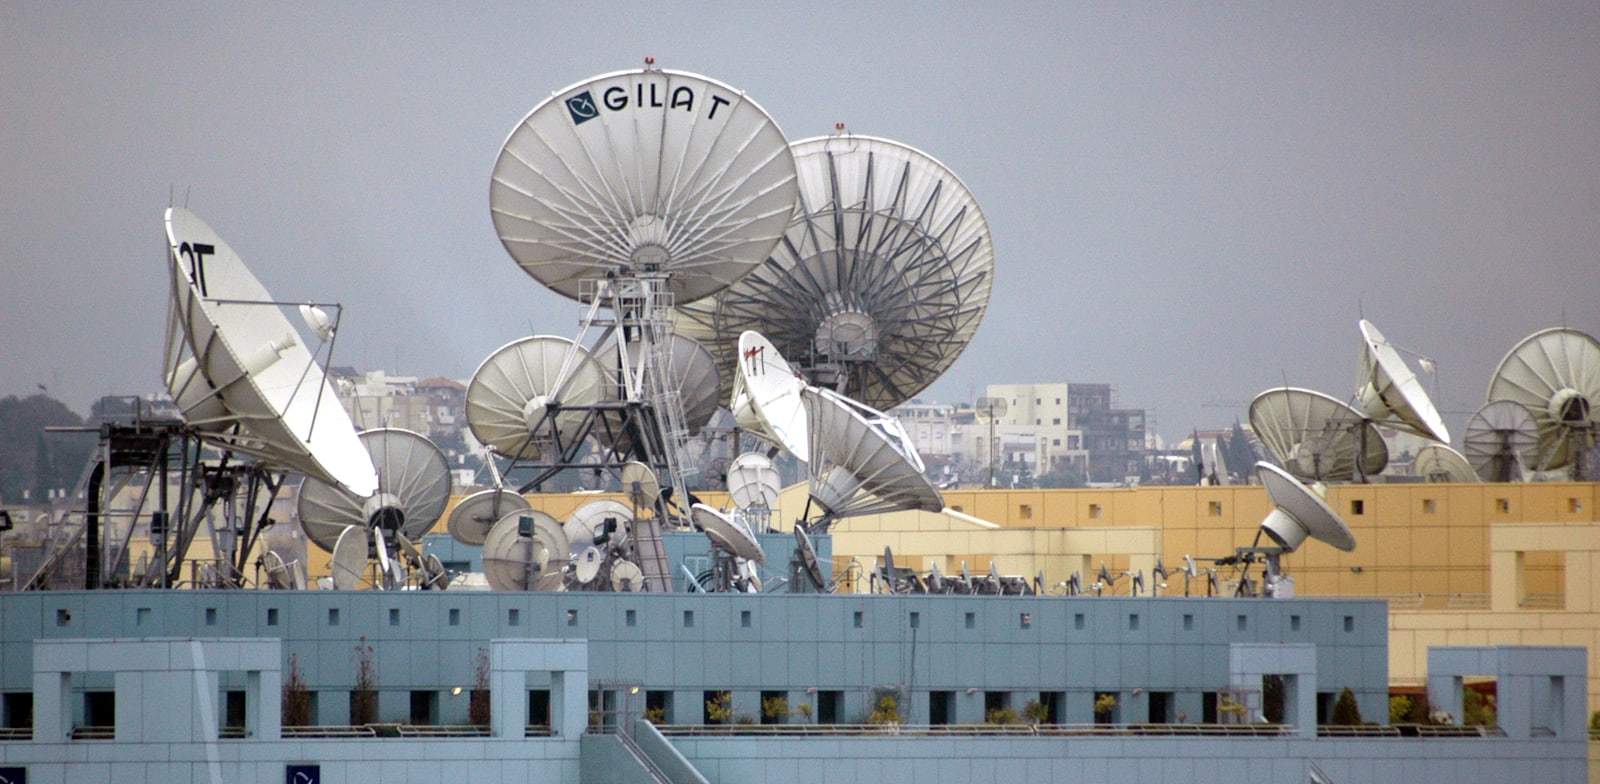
x: 691, y: 373
x: 1501, y: 440
x: 471, y: 519
x: 727, y: 534
x: 643, y: 173
x: 349, y: 560
x: 766, y: 396
x: 884, y: 274
x: 1388, y: 388
x: 1555, y: 374
x: 510, y: 397
x: 509, y: 557
x: 239, y: 361
x: 1316, y: 436
x: 872, y: 449
x: 1440, y: 463
x: 586, y: 523
x: 754, y: 481
x: 413, y: 489
x: 1300, y: 513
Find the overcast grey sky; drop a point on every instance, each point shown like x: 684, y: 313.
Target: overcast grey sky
x: 1192, y: 202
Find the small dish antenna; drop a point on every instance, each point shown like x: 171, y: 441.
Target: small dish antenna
x: 513, y: 561
x: 587, y: 565
x: 1440, y: 463
x: 639, y: 483
x: 754, y: 482
x: 1288, y: 420
x: 809, y: 565
x: 527, y: 396
x: 349, y: 561
x: 863, y: 461
x: 766, y: 396
x: 598, y: 523
x: 1216, y: 466
x: 1389, y: 391
x: 1555, y: 374
x: 1299, y: 513
x: 413, y: 489
x: 1502, y: 440
x: 726, y: 534
x: 239, y: 372
x: 469, y: 522
x: 626, y: 577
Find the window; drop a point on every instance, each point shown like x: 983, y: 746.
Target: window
x: 859, y: 619
x: 1574, y: 505
x: 1294, y: 623
x: 1502, y: 505
x: 141, y: 615
x: 1349, y: 623
x: 1133, y: 622
x: 211, y: 616
x: 1025, y: 512
x: 1094, y: 511
x: 1026, y: 620
x: 455, y: 617
x: 631, y: 618
x: 1214, y: 508
x: 1428, y: 506
x: 972, y: 620
x: 1077, y: 621
x: 63, y: 617
x: 272, y: 616
x: 1055, y: 421
x: 744, y: 618
x: 688, y: 619
x: 916, y: 620
x: 513, y: 617
x: 1242, y: 622
x: 1055, y: 442
x: 572, y: 617
x: 1188, y: 622
x: 394, y: 616
x: 333, y: 616
x: 1358, y: 506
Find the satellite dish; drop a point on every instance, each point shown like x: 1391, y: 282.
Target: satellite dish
x: 1299, y: 513
x: 689, y: 368
x: 809, y: 563
x: 524, y: 385
x: 626, y: 577
x: 510, y: 559
x: 587, y: 524
x: 990, y: 409
x: 643, y: 173
x: 412, y: 490
x: 871, y: 449
x: 471, y: 519
x: 1286, y: 420
x: 1440, y: 463
x: 727, y: 534
x: 753, y: 481
x: 587, y: 565
x: 1389, y: 391
x: 1555, y: 374
x: 766, y: 396
x: 350, y: 558
x: 550, y: 531
x: 1215, y: 464
x: 1502, y: 439
x: 278, y: 575
x: 881, y: 279
x: 318, y: 321
x: 434, y: 576
x: 238, y: 371
x: 639, y: 483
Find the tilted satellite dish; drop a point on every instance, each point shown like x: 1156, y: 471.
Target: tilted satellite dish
x: 588, y: 523
x: 766, y: 396
x: 279, y: 574
x: 349, y: 561
x: 880, y: 282
x: 237, y: 369
x: 1555, y: 374
x: 727, y: 534
x: 318, y: 321
x: 469, y: 522
x: 639, y: 483
x: 753, y: 481
x: 1440, y: 463
x: 626, y: 577
x: 412, y: 490
x: 1287, y: 419
x: 517, y: 397
x: 586, y: 566
x: 809, y: 563
x: 1389, y: 391
x: 1299, y: 513
x: 689, y: 368
x: 853, y: 441
x: 1216, y: 466
x: 646, y: 172
x: 511, y: 560
x: 1502, y: 440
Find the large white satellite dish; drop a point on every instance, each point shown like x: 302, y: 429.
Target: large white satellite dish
x: 413, y: 489
x: 880, y: 282
x: 640, y: 484
x: 238, y: 370
x: 726, y: 533
x: 646, y: 172
x: 1299, y: 513
x: 349, y: 560
x: 1440, y: 463
x: 863, y: 461
x: 1317, y: 437
x: 766, y: 396
x: 691, y: 370
x: 469, y: 522
x: 1389, y: 391
x: 1502, y: 440
x: 1555, y: 374
x: 527, y: 396
x: 753, y: 481
x: 510, y: 559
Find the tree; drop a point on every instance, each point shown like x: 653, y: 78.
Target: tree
x: 1346, y: 713
x: 1195, y: 455
x: 32, y: 462
x: 1241, y: 455
x: 1063, y: 474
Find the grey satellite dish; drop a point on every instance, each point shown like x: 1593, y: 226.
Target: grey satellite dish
x: 469, y: 522
x: 279, y: 577
x: 413, y: 489
x: 1502, y: 440
x: 809, y: 563
x: 550, y: 531
x: 1299, y: 513
x: 870, y: 448
x: 1389, y: 391
x: 753, y: 482
x: 639, y: 483
x: 1440, y: 463
x: 646, y: 172
x: 587, y: 522
x: 727, y: 534
x: 689, y: 368
x: 1287, y: 418
x: 766, y: 396
x: 510, y: 559
x: 434, y: 576
x: 626, y: 577
x: 529, y: 393
x: 880, y: 282
x: 349, y: 560
x: 1216, y: 466
x: 1555, y: 374
x: 586, y: 566
x: 237, y: 369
